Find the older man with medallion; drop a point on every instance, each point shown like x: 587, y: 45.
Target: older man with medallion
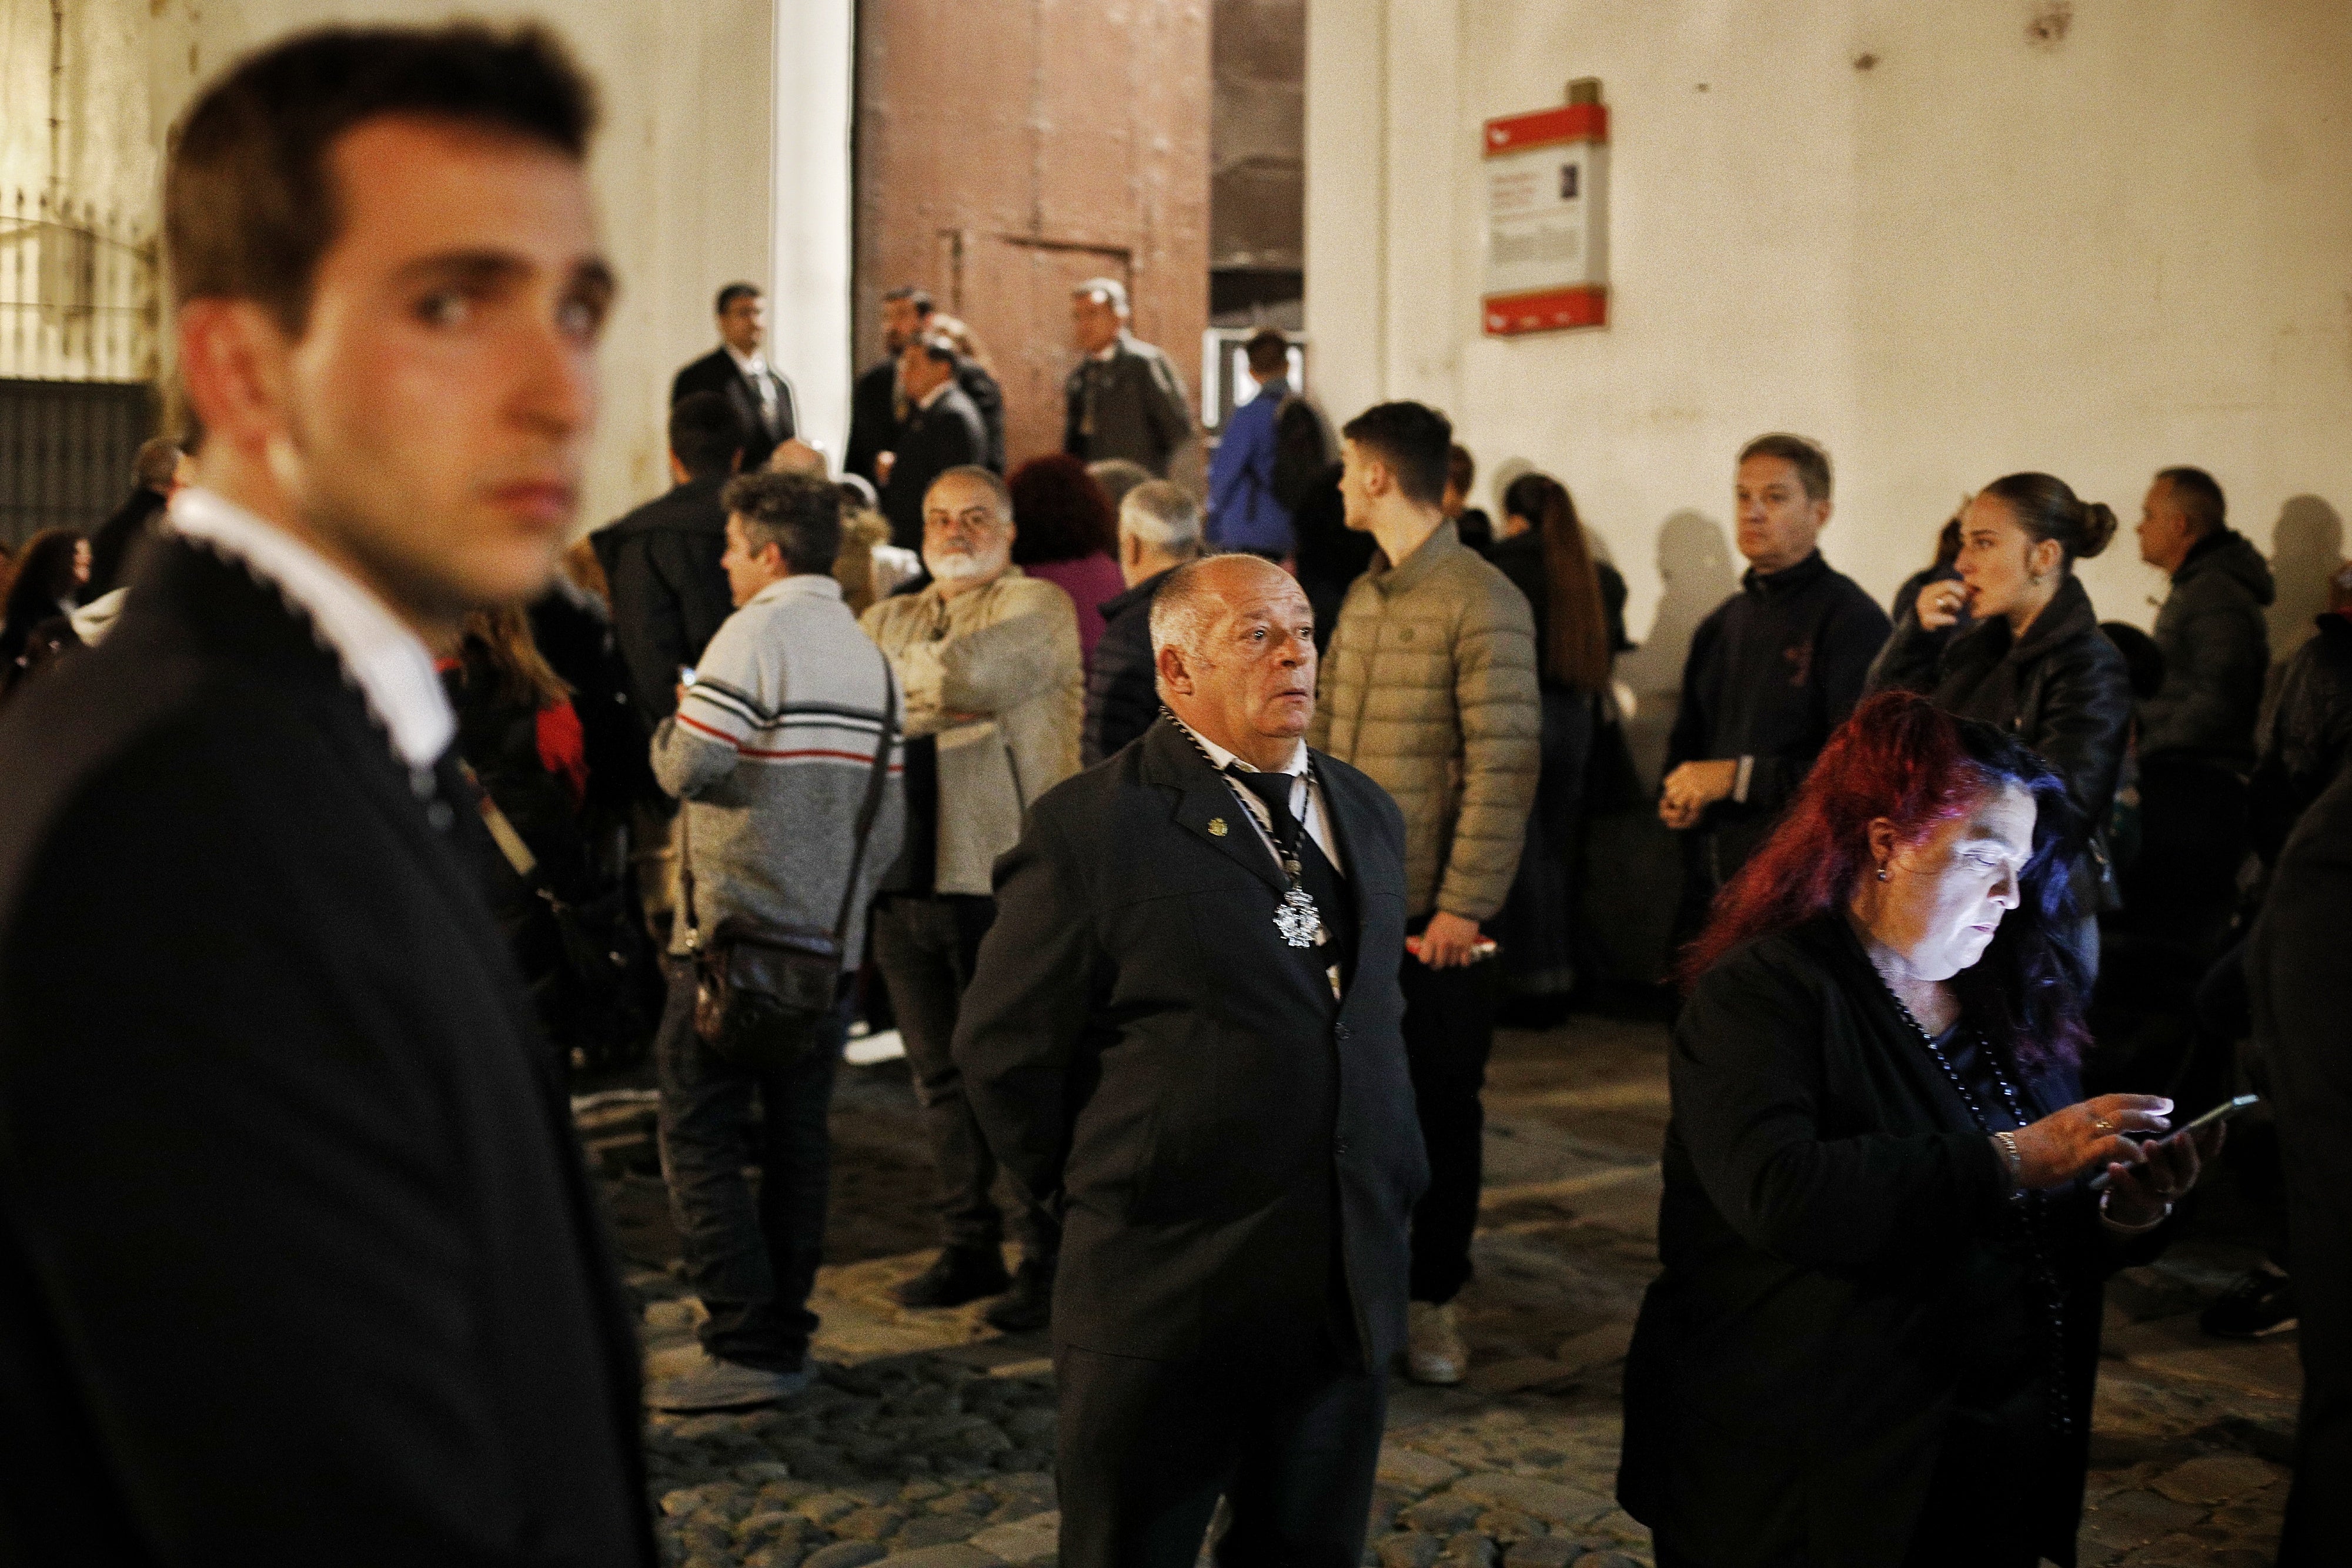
x: 1182, y: 1037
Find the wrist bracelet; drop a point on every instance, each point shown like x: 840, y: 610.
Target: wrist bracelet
x: 2112, y: 1223
x: 2007, y: 1143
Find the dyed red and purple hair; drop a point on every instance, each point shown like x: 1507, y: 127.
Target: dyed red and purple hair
x: 1902, y: 758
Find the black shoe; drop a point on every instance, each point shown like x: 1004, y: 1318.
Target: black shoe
x: 957, y: 1275
x: 2260, y: 1303
x: 1029, y: 1305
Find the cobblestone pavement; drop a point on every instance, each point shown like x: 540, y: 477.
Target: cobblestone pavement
x: 927, y: 1440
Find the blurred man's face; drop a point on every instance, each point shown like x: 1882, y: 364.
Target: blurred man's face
x: 918, y: 373
x: 2164, y: 533
x: 748, y: 568
x: 967, y: 543
x: 900, y: 322
x: 430, y: 424
x: 744, y: 322
x: 1779, y: 521
x: 1093, y: 324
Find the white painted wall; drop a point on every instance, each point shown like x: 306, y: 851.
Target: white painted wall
x: 687, y: 175
x: 1982, y: 254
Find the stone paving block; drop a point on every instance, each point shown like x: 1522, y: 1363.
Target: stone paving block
x: 933, y: 1529
x: 1542, y: 1551
x: 2218, y: 1478
x: 1412, y: 1470
x: 1022, y: 1542
x: 1547, y: 1500
x: 1520, y: 1373
x: 1595, y: 1347
x: 1469, y: 1548
x: 844, y: 1555
x: 869, y: 1524
x: 1409, y: 1549
x: 959, y: 1555
x: 2131, y: 1519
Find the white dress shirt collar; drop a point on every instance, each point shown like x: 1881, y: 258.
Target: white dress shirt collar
x: 754, y: 365
x: 1225, y: 759
x: 380, y: 655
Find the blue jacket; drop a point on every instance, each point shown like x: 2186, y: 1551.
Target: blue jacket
x: 1242, y: 512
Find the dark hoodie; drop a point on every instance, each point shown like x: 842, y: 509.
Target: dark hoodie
x: 2216, y: 654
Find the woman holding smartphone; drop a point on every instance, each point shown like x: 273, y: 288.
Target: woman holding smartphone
x: 1874, y: 1339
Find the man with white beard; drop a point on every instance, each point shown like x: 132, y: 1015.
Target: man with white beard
x: 988, y: 660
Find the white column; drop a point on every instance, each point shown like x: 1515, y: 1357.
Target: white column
x: 809, y: 254
x: 1346, y: 203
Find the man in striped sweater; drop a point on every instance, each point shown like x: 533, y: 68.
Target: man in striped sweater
x: 771, y: 750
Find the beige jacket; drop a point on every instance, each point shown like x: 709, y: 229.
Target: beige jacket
x: 994, y: 675
x: 1430, y: 687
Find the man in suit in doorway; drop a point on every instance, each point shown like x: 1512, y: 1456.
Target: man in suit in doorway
x: 762, y: 397
x: 1184, y: 1038
x: 289, y: 1182
x: 941, y: 431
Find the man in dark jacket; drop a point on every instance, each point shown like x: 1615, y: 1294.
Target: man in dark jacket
x: 1771, y: 672
x: 2302, y: 995
x: 736, y: 370
x: 113, y: 549
x: 670, y: 593
x: 1125, y: 399
x: 298, y: 1262
x: 2309, y: 734
x: 941, y: 431
x: 2212, y: 630
x: 1159, y: 530
x: 877, y: 405
x: 1184, y: 1037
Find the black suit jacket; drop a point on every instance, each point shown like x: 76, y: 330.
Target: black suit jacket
x: 1147, y: 1057
x: 716, y: 372
x: 933, y: 440
x: 874, y: 415
x: 670, y: 593
x: 297, y: 1260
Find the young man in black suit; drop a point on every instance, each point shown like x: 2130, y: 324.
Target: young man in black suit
x: 297, y: 1260
x: 1184, y: 1038
x: 941, y: 431
x: 762, y: 397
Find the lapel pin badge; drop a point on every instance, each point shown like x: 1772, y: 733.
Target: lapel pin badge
x: 1217, y: 826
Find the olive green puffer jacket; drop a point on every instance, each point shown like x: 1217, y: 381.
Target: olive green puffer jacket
x: 1430, y: 687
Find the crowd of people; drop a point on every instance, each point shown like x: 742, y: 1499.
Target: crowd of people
x: 1195, y: 851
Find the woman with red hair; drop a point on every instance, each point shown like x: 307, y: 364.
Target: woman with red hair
x: 1066, y: 531
x: 1876, y: 1335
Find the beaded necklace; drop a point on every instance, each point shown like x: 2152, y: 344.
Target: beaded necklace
x: 2026, y: 1209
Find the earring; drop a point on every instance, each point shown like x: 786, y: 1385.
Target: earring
x: 1882, y: 873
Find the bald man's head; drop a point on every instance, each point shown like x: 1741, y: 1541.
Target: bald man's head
x: 1232, y: 638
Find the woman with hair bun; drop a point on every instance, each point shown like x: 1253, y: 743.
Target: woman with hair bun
x: 2036, y: 664
x: 1876, y: 1331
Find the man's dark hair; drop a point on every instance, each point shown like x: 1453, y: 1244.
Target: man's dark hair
x: 800, y: 514
x: 1267, y: 352
x: 1461, y: 468
x: 1811, y: 463
x: 920, y: 299
x: 249, y: 204
x: 2199, y: 498
x: 157, y: 461
x: 732, y: 293
x: 1413, y: 439
x: 706, y: 434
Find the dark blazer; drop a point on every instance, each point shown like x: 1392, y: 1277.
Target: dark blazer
x: 716, y: 372
x: 1838, y: 1269
x: 2063, y: 689
x: 1149, y: 1060
x: 115, y: 547
x: 873, y: 419
x: 1141, y: 411
x: 2307, y: 738
x: 2301, y: 989
x: 933, y: 440
x: 670, y: 593
x: 297, y: 1260
x: 1122, y: 683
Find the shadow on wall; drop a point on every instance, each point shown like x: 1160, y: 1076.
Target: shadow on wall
x: 1634, y: 864
x: 2307, y: 547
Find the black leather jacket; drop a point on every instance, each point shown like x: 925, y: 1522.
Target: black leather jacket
x: 2062, y: 688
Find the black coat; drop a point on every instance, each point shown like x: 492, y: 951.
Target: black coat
x: 2063, y: 689
x: 2301, y: 989
x: 670, y: 593
x: 1148, y: 1058
x: 297, y: 1260
x: 874, y: 415
x: 717, y: 371
x: 1122, y: 683
x: 1838, y: 1272
x: 115, y: 547
x: 948, y: 435
x: 2307, y: 739
x: 1771, y: 672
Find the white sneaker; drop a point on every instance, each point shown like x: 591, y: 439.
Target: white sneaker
x: 1435, y: 1352
x: 718, y: 1385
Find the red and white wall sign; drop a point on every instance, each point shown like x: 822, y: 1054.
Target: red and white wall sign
x: 1546, y: 220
